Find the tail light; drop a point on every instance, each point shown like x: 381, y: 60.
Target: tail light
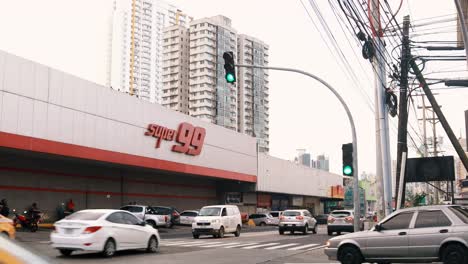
x: 281, y: 218
x: 91, y: 229
x: 175, y: 214
x: 331, y: 219
x: 349, y: 219
x: 165, y: 218
x: 299, y: 217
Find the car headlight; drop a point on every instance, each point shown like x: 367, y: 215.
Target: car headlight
x: 215, y: 221
x: 328, y: 243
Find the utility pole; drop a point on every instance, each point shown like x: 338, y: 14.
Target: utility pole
x: 434, y: 144
x: 380, y: 75
x: 424, y: 119
x: 403, y: 107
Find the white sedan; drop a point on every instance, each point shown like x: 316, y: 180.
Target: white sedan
x: 106, y: 231
x: 188, y: 217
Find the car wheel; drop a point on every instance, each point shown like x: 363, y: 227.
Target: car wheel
x: 454, y: 254
x: 34, y: 227
x: 330, y: 233
x: 338, y: 233
x: 306, y: 230
x: 153, y: 245
x: 349, y: 255
x: 238, y: 231
x: 315, y: 229
x: 196, y: 236
x: 153, y: 224
x: 292, y: 232
x: 109, y: 248
x: 281, y: 231
x: 262, y: 224
x: 65, y: 252
x: 221, y: 232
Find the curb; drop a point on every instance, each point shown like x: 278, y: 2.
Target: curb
x: 44, y: 225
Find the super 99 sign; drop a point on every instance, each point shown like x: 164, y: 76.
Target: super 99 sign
x: 190, y: 139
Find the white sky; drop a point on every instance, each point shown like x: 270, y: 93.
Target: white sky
x: 72, y: 36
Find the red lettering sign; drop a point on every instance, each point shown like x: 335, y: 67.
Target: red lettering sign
x: 190, y: 138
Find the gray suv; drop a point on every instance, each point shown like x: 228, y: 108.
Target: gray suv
x: 297, y: 220
x: 420, y: 234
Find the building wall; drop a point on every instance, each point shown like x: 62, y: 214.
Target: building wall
x: 211, y: 98
x: 175, y: 94
x: 38, y: 102
x: 274, y: 172
x: 253, y: 93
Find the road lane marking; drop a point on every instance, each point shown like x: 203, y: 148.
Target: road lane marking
x: 201, y: 244
x: 221, y: 245
x: 282, y: 246
x: 242, y: 245
x: 303, y: 246
x: 261, y: 245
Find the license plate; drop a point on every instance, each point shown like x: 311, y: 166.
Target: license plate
x: 68, y: 231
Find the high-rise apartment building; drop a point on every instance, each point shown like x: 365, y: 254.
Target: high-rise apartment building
x: 253, y: 101
x: 137, y: 50
x: 175, y: 92
x: 211, y: 98
x: 322, y: 163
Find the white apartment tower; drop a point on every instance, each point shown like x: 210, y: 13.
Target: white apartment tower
x: 253, y: 111
x: 211, y: 98
x: 137, y: 50
x: 175, y: 92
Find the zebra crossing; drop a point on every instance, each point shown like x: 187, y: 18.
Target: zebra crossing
x: 243, y: 245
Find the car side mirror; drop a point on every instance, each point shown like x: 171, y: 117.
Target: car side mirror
x: 143, y: 223
x: 378, y: 228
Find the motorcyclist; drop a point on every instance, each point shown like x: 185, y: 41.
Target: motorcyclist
x: 33, y: 212
x: 4, y: 210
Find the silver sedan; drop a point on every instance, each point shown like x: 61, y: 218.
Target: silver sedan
x: 420, y: 234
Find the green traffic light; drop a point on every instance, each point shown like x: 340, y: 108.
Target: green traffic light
x: 230, y: 78
x: 347, y: 170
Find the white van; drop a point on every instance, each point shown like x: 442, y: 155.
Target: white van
x: 217, y: 220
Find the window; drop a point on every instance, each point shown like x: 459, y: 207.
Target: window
x: 116, y: 218
x: 461, y: 212
x: 132, y: 209
x: 340, y: 213
x: 224, y: 213
x: 130, y: 219
x: 431, y: 219
x: 189, y: 214
x: 292, y: 213
x: 85, y: 216
x: 210, y: 211
x: 400, y: 221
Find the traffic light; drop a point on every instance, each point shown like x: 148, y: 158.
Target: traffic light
x: 229, y: 67
x: 348, y: 169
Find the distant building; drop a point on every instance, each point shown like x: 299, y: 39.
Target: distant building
x: 322, y: 163
x: 303, y: 158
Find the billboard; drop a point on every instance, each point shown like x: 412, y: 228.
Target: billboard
x: 430, y: 169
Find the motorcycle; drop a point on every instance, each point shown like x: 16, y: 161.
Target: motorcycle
x: 27, y: 223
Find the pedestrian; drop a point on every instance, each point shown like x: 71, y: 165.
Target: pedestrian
x: 4, y: 210
x: 70, y: 206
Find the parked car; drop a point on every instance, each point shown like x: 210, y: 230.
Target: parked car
x: 188, y: 217
x: 216, y: 220
x: 173, y: 213
x: 149, y: 215
x: 102, y: 230
x: 342, y: 221
x: 276, y: 214
x: 7, y: 227
x: 297, y: 220
x: 263, y: 219
x: 322, y: 219
x: 418, y: 234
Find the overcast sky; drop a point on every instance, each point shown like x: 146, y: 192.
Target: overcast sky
x: 72, y: 36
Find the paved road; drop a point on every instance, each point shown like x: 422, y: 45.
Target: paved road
x: 178, y: 247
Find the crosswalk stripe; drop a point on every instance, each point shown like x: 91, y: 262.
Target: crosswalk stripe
x: 173, y: 243
x: 261, y: 245
x: 242, y: 245
x: 220, y: 245
x: 303, y: 247
x: 282, y: 246
x: 200, y: 244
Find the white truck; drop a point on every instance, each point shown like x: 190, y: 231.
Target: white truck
x: 149, y: 215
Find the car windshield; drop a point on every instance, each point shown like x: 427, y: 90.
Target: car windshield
x: 162, y: 210
x: 340, y: 213
x: 275, y: 214
x: 210, y: 211
x: 291, y: 213
x: 85, y: 216
x: 133, y: 209
x: 461, y: 212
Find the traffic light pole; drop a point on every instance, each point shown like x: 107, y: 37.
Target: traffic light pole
x: 353, y: 131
